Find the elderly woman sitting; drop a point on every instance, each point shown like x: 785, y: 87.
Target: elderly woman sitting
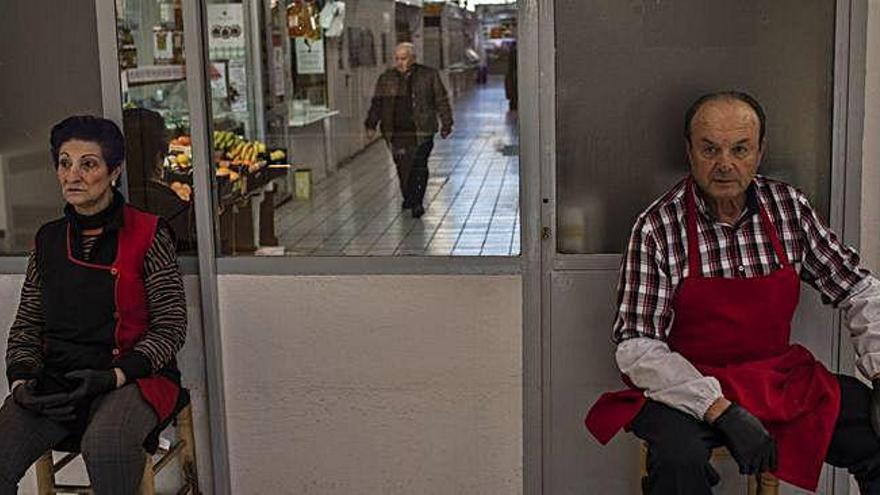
x: 91, y: 354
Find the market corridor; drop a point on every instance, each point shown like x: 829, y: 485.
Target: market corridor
x: 471, y: 203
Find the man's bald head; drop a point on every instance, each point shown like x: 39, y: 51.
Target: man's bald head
x: 721, y: 96
x: 404, y: 56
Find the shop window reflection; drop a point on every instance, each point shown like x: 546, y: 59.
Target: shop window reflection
x: 159, y: 173
x: 291, y: 83
x: 49, y: 53
x: 334, y: 191
x: 156, y: 120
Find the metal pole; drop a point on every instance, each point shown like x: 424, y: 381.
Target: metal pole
x: 533, y: 104
x: 255, y: 24
x: 196, y: 53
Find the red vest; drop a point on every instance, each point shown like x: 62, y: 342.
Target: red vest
x: 96, y: 313
x: 737, y: 330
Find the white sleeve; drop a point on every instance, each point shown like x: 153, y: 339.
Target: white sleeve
x: 862, y: 313
x: 666, y: 376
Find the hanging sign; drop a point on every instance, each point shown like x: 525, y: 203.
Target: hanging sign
x: 309, y: 55
x: 226, y: 32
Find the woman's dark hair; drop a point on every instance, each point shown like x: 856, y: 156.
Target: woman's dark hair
x: 146, y: 143
x: 725, y: 95
x: 92, y: 129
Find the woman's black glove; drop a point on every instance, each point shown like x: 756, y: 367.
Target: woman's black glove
x: 56, y: 406
x: 748, y: 441
x: 91, y: 383
x: 875, y: 406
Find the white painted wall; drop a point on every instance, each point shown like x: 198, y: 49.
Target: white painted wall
x: 191, y: 360
x: 373, y: 384
x: 870, y: 227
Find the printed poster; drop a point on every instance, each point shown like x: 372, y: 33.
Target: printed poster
x: 309, y: 55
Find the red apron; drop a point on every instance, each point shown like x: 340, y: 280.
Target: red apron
x: 737, y: 330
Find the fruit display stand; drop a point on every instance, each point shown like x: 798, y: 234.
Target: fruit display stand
x: 247, y: 211
x: 247, y: 215
x: 245, y: 185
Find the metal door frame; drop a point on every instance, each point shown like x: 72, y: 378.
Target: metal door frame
x: 538, y: 70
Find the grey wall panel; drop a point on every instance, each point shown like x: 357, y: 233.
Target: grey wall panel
x: 626, y: 72
x: 582, y: 367
x: 49, y: 60
x: 870, y: 227
x: 49, y: 56
x: 373, y: 384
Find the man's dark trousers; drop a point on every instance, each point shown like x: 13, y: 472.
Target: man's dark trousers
x: 411, y: 159
x: 679, y: 446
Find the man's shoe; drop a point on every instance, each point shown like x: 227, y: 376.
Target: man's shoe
x: 405, y: 205
x: 418, y: 211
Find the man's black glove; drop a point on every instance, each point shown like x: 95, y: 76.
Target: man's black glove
x: 56, y: 406
x: 748, y: 441
x: 875, y: 406
x: 91, y: 383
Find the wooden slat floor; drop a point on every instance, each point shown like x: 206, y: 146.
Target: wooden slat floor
x: 471, y: 203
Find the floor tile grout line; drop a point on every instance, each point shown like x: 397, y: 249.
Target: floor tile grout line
x: 351, y: 197
x: 476, y: 200
x: 340, y: 195
x: 326, y: 186
x: 391, y: 202
x: 391, y: 184
x: 470, y: 171
x: 495, y: 206
x: 347, y: 177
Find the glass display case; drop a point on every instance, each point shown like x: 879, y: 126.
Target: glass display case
x: 154, y: 95
x: 156, y: 112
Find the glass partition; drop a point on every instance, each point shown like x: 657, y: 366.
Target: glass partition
x: 295, y: 84
x: 49, y: 55
x: 156, y: 119
x: 627, y: 72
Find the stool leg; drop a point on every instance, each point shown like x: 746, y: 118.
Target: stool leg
x: 768, y: 484
x: 148, y: 482
x: 754, y: 489
x: 45, y: 474
x: 188, y: 467
x: 763, y: 484
x: 643, y: 466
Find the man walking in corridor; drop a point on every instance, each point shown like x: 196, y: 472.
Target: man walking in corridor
x: 408, y: 102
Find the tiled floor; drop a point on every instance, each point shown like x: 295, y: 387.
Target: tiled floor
x: 472, y: 199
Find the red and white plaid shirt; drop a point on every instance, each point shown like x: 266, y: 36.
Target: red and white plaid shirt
x: 655, y: 262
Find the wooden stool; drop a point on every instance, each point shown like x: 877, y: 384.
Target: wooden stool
x: 183, y: 448
x: 759, y: 484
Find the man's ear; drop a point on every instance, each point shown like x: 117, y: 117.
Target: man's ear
x: 687, y: 150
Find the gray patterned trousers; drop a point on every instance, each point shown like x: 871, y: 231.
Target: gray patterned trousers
x: 112, y: 446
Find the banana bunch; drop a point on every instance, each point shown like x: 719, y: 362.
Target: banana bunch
x: 224, y: 140
x: 246, y: 151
